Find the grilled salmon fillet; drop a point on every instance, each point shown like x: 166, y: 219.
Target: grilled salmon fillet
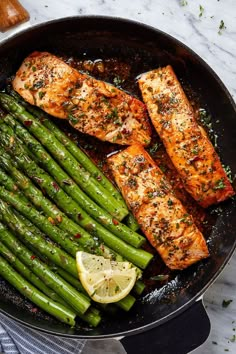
x: 161, y: 216
x: 92, y: 106
x: 186, y: 142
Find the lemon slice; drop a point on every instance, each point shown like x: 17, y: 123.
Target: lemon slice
x: 104, y: 280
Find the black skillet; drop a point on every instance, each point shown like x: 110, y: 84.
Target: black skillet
x: 170, y: 319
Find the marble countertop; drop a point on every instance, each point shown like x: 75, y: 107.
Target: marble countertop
x: 197, y: 24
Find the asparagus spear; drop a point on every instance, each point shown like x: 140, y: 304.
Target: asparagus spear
x: 65, y: 182
x: 54, y: 281
x: 138, y: 257
x: 78, y: 154
x: 37, y: 240
x: 42, y: 203
x: 139, y: 287
x: 64, y: 158
x: 29, y: 291
x: 28, y: 274
x: 8, y: 182
x: 57, y: 235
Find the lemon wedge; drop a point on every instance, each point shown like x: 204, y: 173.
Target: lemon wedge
x: 104, y: 280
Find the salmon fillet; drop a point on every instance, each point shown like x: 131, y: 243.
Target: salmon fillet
x: 92, y: 106
x: 161, y: 216
x: 186, y: 142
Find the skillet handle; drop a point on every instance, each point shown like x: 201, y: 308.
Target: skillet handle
x: 179, y: 335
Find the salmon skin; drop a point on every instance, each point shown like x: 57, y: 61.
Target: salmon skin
x: 161, y: 216
x: 186, y: 142
x: 92, y: 106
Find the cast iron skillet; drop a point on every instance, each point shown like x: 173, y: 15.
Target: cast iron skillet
x: 171, y: 317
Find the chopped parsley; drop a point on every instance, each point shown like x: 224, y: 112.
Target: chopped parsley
x: 72, y: 119
x: 219, y: 184
x: 205, y: 120
x: 41, y: 94
x: 221, y: 27
x: 226, y: 303
x: 154, y: 148
x: 113, y: 114
x: 183, y: 3
x: 38, y: 85
x: 117, y: 288
x: 228, y: 173
x: 201, y: 9
x: 132, y: 182
x: 194, y: 151
x: 118, y: 81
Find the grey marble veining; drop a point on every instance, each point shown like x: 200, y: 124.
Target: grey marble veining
x: 182, y: 20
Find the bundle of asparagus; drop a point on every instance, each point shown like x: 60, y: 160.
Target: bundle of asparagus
x: 52, y: 204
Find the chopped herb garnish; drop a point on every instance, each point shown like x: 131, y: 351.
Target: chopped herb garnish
x: 105, y: 100
x: 170, y: 202
x: 118, y: 81
x: 183, y: 3
x: 132, y: 182
x: 38, y: 84
x: 233, y: 338
x: 228, y: 172
x: 117, y: 288
x: 154, y: 148
x: 72, y: 119
x: 219, y: 184
x: 226, y: 303
x: 34, y: 68
x: 221, y: 27
x: 160, y: 277
x: 195, y: 151
x: 205, y: 120
x: 113, y: 114
x: 41, y: 94
x: 201, y: 9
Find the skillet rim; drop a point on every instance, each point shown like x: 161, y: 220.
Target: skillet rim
x: 204, y: 64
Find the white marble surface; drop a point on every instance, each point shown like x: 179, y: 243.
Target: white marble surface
x: 201, y: 34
